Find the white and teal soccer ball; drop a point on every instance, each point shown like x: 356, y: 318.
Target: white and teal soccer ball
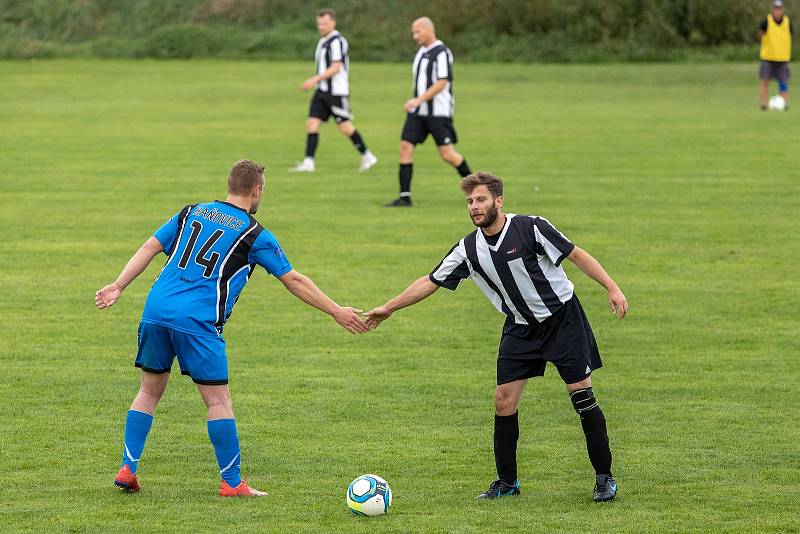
x: 777, y: 103
x: 369, y: 495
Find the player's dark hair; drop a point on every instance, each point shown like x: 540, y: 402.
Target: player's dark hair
x: 244, y: 176
x: 326, y: 12
x: 493, y: 183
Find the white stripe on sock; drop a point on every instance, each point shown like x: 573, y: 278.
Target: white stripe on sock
x: 230, y: 464
x: 130, y: 457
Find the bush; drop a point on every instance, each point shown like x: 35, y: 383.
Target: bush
x: 183, y: 41
x: 497, y: 30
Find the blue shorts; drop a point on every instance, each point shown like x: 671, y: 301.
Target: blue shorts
x: 200, y: 357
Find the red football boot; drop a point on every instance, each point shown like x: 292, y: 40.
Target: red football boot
x: 127, y: 480
x: 242, y: 490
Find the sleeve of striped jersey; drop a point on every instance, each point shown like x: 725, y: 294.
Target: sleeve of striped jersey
x: 555, y: 244
x: 452, y: 269
x: 336, y: 50
x: 444, y: 71
x: 267, y: 253
x: 168, y: 232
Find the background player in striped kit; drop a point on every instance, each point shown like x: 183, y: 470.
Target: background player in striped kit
x: 430, y: 111
x: 516, y: 262
x: 332, y: 97
x: 213, y: 249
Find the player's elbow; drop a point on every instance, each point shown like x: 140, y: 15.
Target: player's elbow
x: 292, y: 280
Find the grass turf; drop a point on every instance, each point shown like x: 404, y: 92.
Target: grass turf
x: 668, y: 174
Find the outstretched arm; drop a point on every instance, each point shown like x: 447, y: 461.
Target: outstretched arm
x: 420, y: 289
x: 592, y: 268
x: 107, y: 296
x: 304, y: 288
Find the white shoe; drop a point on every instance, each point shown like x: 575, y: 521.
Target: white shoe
x: 307, y: 165
x: 368, y: 160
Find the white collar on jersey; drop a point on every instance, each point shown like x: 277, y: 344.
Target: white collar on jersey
x: 331, y: 35
x: 437, y: 42
x: 494, y: 248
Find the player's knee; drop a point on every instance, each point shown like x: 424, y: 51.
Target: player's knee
x: 406, y: 149
x: 504, y: 402
x: 312, y: 125
x: 347, y: 128
x: 783, y: 86
x: 448, y: 154
x: 583, y: 400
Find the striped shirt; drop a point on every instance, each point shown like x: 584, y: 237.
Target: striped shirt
x: 330, y: 49
x: 433, y: 63
x: 521, y: 273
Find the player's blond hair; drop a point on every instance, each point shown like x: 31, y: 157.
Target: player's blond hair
x: 244, y: 176
x: 493, y: 183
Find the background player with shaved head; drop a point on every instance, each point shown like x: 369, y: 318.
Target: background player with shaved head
x: 430, y: 111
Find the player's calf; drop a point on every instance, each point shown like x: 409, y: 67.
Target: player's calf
x: 593, y: 422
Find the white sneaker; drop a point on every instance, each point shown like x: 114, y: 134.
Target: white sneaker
x: 307, y: 165
x: 368, y: 160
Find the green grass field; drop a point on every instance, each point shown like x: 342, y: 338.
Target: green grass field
x: 668, y: 174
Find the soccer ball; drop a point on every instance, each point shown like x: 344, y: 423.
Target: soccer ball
x: 777, y: 103
x: 369, y: 495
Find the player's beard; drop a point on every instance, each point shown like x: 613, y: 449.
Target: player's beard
x: 488, y: 218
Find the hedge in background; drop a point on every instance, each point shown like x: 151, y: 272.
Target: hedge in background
x: 484, y: 30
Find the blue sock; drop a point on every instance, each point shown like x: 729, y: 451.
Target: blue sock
x: 137, y: 426
x: 226, y: 446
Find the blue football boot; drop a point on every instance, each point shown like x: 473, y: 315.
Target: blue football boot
x: 499, y: 488
x: 605, y: 489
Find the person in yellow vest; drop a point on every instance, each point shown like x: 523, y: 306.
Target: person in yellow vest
x: 776, y: 52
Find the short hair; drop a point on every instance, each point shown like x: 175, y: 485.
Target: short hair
x: 493, y: 183
x: 244, y: 176
x: 326, y: 12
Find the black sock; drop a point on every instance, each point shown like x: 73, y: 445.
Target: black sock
x: 358, y: 142
x: 506, y: 434
x: 311, y: 144
x: 594, y: 427
x: 406, y: 169
x: 463, y: 169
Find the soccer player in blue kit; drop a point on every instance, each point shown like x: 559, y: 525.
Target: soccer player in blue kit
x: 212, y: 250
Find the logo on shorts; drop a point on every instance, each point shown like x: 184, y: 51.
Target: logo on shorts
x: 588, y: 370
x: 446, y: 140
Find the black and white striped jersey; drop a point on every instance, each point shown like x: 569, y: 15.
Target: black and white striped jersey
x: 433, y: 63
x: 330, y: 49
x: 520, y: 273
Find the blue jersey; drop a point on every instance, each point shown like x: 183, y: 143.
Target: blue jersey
x: 213, y: 249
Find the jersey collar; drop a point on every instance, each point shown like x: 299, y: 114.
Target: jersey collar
x: 232, y: 205
x: 494, y: 248
x: 330, y: 36
x: 437, y: 42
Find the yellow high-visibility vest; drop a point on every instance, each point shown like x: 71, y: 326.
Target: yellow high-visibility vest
x: 776, y: 44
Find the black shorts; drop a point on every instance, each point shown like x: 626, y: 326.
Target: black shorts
x: 416, y: 130
x: 324, y: 105
x: 565, y: 339
x: 774, y: 70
